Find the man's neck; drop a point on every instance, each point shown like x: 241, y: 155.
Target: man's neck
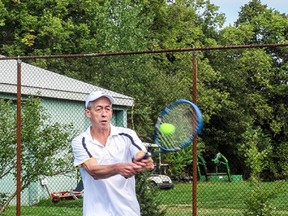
x: 100, y: 134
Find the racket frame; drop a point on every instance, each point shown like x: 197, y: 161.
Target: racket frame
x: 197, y: 131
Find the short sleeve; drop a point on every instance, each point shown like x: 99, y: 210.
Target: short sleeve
x: 80, y: 151
x: 137, y: 145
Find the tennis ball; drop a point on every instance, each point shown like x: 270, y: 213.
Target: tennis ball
x: 167, y: 129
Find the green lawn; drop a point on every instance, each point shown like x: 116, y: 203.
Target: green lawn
x: 218, y: 198
x: 47, y: 208
x: 214, y: 198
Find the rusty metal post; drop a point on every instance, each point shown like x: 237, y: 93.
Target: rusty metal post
x: 194, y: 166
x: 18, y: 149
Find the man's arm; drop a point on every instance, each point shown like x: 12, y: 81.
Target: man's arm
x: 98, y: 171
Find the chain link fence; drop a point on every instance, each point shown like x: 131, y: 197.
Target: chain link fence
x: 53, y: 90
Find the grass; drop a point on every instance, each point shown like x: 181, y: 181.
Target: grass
x: 47, y: 208
x: 213, y: 199
x: 218, y: 198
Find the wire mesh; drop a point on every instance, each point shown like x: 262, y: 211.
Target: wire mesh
x: 53, y: 94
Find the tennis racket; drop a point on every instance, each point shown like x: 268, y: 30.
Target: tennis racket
x: 177, y: 126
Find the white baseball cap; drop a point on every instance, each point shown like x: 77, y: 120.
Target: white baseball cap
x: 95, y: 95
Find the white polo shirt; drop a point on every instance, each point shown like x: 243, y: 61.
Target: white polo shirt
x: 116, y: 195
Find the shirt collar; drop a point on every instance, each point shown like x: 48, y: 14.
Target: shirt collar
x: 114, y: 131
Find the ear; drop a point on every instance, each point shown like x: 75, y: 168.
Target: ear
x: 87, y: 113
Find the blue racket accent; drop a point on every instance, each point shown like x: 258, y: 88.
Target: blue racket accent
x: 187, y: 120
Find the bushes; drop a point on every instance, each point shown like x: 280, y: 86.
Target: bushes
x: 149, y: 204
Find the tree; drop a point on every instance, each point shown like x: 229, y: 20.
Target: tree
x: 269, y: 26
x: 43, y: 143
x: 252, y: 82
x: 232, y: 87
x: 249, y: 11
x: 256, y: 148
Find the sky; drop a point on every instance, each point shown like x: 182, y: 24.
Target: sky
x: 231, y: 8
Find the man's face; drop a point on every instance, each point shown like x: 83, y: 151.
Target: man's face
x: 100, y: 113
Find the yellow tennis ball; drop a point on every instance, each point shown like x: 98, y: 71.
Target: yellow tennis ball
x: 167, y: 129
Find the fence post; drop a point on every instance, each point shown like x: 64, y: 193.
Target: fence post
x: 194, y: 167
x: 18, y: 149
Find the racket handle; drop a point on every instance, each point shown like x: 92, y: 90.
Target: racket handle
x: 147, y: 155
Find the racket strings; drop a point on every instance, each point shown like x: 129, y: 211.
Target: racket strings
x: 184, y: 120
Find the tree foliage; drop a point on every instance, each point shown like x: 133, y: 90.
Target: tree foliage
x: 235, y: 86
x: 256, y: 151
x: 254, y: 80
x: 146, y: 195
x: 43, y: 143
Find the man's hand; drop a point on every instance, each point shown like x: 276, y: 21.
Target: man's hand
x: 128, y: 169
x: 146, y: 164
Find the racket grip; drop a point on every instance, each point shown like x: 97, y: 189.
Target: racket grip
x: 147, y: 155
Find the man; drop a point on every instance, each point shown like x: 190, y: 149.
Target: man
x: 108, y: 158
